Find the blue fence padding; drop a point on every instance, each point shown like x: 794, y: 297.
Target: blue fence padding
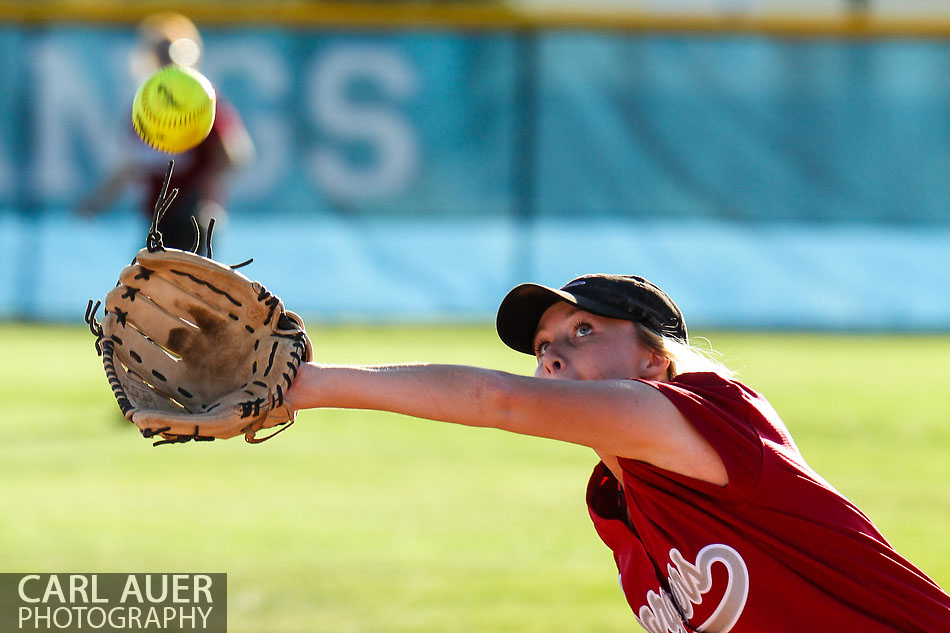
x: 424, y: 173
x: 729, y: 275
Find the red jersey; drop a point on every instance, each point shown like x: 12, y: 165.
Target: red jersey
x: 778, y: 549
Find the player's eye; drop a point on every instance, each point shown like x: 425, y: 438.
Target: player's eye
x: 583, y: 329
x: 540, y: 348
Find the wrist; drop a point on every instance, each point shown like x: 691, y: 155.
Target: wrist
x: 301, y: 392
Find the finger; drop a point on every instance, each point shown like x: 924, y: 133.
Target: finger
x: 229, y: 289
x: 175, y: 424
x: 177, y: 298
x: 153, y: 364
x: 142, y: 395
x: 142, y: 319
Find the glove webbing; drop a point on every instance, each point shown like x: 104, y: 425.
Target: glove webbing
x: 154, y: 240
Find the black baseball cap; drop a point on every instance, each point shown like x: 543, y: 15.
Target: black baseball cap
x: 615, y: 296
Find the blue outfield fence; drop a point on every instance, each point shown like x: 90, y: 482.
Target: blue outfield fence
x: 420, y: 174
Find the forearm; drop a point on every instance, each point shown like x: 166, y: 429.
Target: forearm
x: 614, y: 417
x: 105, y: 195
x: 449, y: 393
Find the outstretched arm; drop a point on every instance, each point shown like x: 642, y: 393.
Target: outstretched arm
x: 105, y: 195
x: 614, y: 417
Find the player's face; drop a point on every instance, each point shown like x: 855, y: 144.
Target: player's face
x: 575, y: 345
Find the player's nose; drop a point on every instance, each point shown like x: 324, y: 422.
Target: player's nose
x: 551, y: 364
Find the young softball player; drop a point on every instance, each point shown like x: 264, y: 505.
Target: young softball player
x: 715, y: 520
x: 202, y: 173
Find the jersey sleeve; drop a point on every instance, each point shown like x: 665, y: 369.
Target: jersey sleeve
x: 720, y: 410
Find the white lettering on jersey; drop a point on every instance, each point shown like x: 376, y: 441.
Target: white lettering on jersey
x: 665, y: 612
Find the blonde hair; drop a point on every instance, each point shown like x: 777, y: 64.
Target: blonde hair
x: 171, y: 38
x: 684, y: 358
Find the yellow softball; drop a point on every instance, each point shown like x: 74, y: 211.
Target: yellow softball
x: 173, y: 109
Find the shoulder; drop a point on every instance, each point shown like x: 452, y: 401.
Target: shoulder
x: 707, y: 392
x: 734, y: 420
x: 678, y: 442
x: 727, y: 401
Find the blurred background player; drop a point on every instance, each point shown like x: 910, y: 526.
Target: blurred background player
x: 200, y: 173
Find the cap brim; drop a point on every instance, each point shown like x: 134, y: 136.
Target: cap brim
x: 522, y: 308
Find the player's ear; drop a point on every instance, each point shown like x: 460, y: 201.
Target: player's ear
x: 654, y: 365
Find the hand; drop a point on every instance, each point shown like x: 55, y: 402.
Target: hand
x: 91, y: 205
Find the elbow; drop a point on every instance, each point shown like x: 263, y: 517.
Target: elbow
x: 498, y: 398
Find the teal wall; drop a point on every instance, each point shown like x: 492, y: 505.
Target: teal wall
x: 763, y: 182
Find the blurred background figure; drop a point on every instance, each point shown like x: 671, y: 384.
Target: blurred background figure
x: 201, y: 173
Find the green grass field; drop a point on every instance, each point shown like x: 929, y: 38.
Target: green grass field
x: 374, y: 523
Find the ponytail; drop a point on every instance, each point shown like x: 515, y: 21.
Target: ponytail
x: 684, y: 358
